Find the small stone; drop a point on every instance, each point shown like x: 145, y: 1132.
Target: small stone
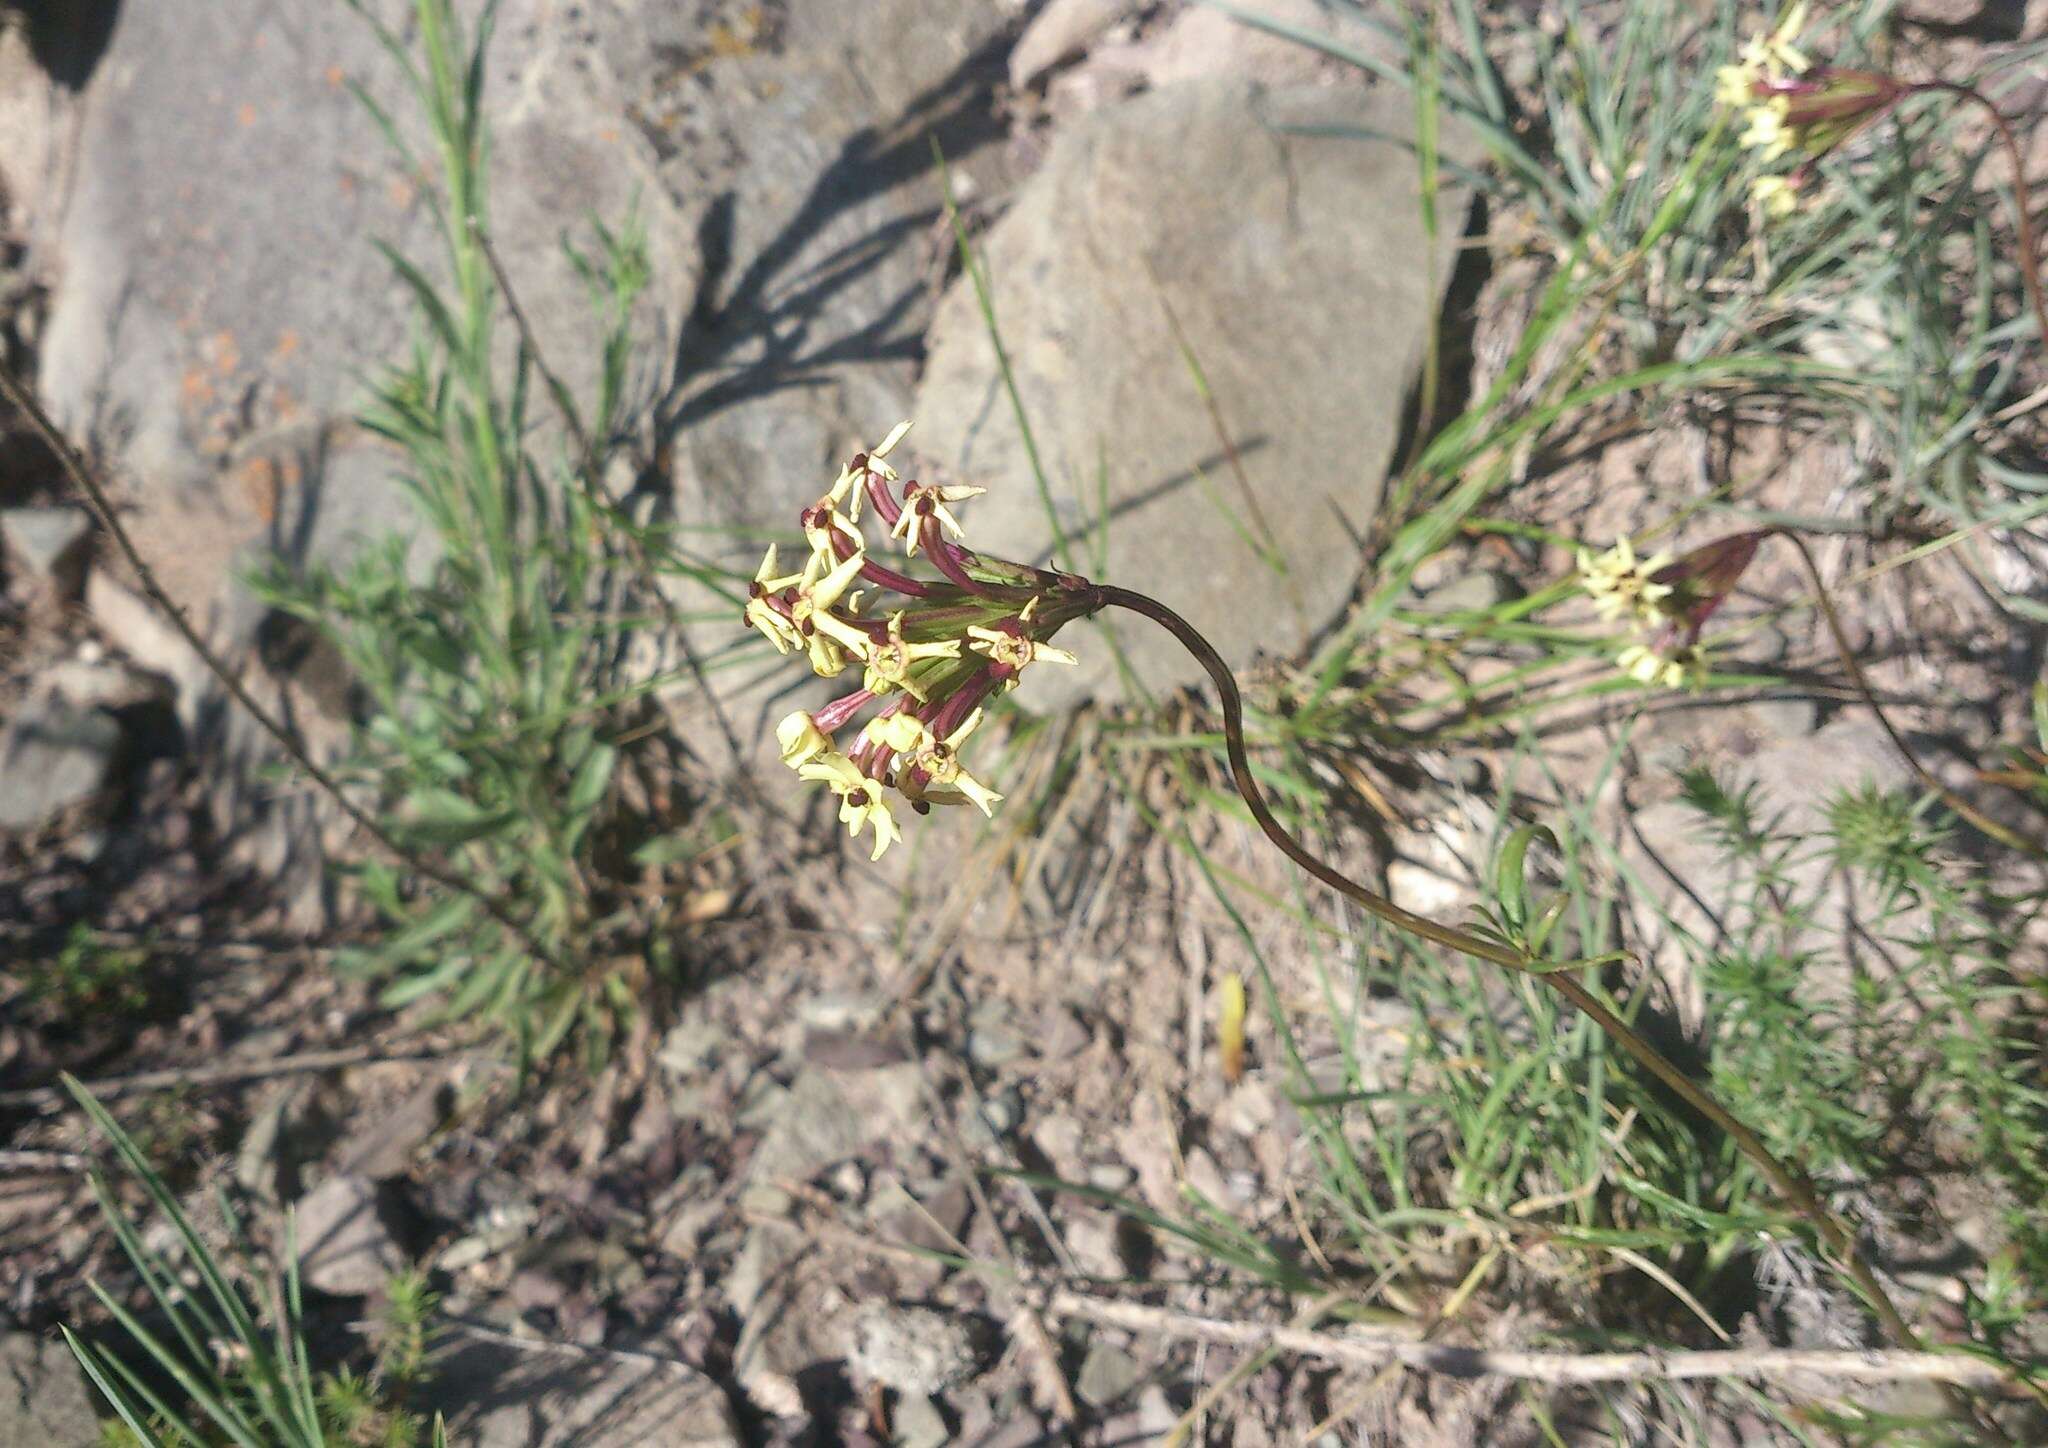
x: 1477, y: 590
x: 1062, y: 1033
x: 1108, y: 1374
x: 996, y: 1044
x: 1097, y: 1244
x: 691, y: 1047
x: 1156, y: 1414
x: 1003, y: 1110
x: 849, y: 1181
x: 1111, y: 1176
x: 48, y: 544
x: 932, y: 1218
x: 842, y: 1011
x: 52, y: 757
x: 919, y: 1424
x: 915, y: 1351
x: 1061, y: 1138
x: 344, y: 1246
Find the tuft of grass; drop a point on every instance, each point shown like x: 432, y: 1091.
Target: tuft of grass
x: 88, y: 975
x: 204, y: 1363
x: 490, y: 672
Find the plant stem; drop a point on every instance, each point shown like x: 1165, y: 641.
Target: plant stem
x: 589, y: 475
x: 496, y: 906
x: 1790, y: 1183
x: 1961, y: 807
x: 2030, y: 254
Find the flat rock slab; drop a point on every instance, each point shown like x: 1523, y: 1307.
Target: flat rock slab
x: 53, y: 756
x: 44, y: 1400
x: 345, y: 1247
x: 1686, y: 877
x: 1304, y: 284
x: 219, y: 306
x: 47, y: 542
x: 498, y: 1395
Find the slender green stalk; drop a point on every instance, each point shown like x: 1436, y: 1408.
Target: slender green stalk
x: 1790, y: 1183
x: 1959, y: 806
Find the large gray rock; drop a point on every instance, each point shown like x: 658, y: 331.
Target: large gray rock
x: 43, y: 1396
x: 217, y: 305
x: 345, y: 1247
x: 53, y: 756
x: 498, y: 1395
x: 807, y: 155
x: 1300, y: 272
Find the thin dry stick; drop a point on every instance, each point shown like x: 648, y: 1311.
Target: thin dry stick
x: 550, y: 1347
x: 47, y: 1100
x: 1378, y: 1348
x: 2030, y: 256
x: 102, y: 506
x: 1790, y: 1183
x: 1961, y: 807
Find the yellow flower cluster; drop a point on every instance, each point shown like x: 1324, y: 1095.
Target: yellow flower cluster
x: 1768, y: 60
x: 1621, y: 586
x: 1793, y: 106
x: 1624, y: 589
x: 932, y: 663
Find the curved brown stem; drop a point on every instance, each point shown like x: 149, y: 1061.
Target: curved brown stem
x: 1957, y: 805
x: 2023, y: 221
x: 1790, y: 1183
x: 102, y: 507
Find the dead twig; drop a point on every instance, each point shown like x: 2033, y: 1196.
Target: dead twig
x: 25, y: 1160
x: 49, y: 1100
x: 1381, y: 1347
x: 497, y: 906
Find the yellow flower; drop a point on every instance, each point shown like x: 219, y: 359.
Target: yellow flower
x: 827, y: 638
x: 921, y: 501
x: 1014, y: 649
x: 1733, y: 85
x: 1620, y: 585
x: 1776, y: 196
x: 851, y: 483
x: 889, y: 663
x: 822, y: 525
x: 801, y: 739
x: 1768, y: 57
x: 918, y: 750
x: 1658, y: 668
x: 1767, y: 131
x: 860, y: 798
x: 1772, y: 53
x: 761, y: 615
